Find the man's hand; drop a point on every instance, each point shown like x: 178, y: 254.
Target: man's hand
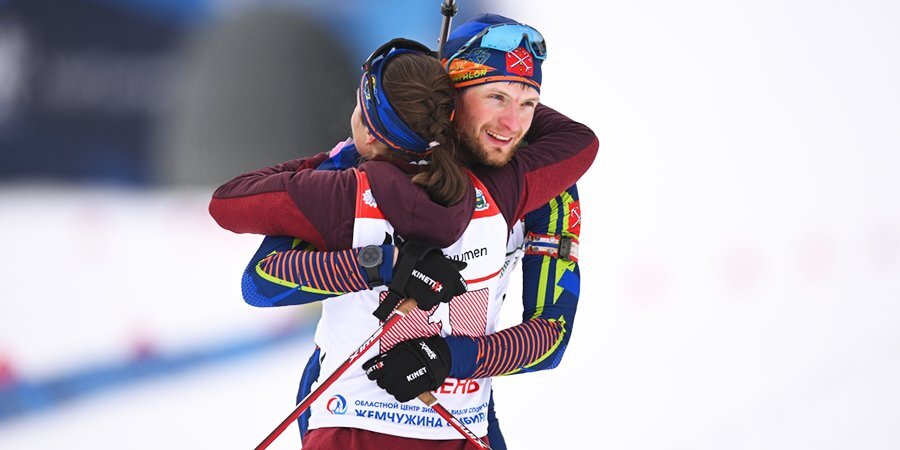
x: 411, y: 367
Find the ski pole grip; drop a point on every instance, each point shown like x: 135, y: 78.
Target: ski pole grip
x: 393, y: 303
x: 449, y: 8
x: 427, y: 398
x: 407, y: 305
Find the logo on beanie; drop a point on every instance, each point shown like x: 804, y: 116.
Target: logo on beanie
x: 478, y: 56
x: 463, y: 70
x: 520, y: 62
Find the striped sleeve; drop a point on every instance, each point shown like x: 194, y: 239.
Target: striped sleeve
x: 550, y: 296
x: 285, y: 271
x: 334, y: 272
x: 512, y: 349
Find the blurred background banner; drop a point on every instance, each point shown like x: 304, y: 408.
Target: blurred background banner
x: 80, y: 89
x: 740, y: 248
x: 150, y: 93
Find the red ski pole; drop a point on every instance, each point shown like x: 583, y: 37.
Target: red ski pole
x: 402, y: 309
x: 429, y: 399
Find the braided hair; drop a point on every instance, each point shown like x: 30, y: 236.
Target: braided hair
x: 422, y: 94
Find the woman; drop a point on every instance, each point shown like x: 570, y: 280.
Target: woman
x: 427, y: 154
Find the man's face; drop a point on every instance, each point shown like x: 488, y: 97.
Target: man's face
x: 493, y: 118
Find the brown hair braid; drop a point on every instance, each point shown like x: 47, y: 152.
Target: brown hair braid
x: 421, y: 92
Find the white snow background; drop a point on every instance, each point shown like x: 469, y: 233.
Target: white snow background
x: 740, y: 253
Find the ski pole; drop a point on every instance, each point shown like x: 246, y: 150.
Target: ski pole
x: 405, y: 307
x: 426, y: 397
x: 429, y: 399
x: 448, y: 10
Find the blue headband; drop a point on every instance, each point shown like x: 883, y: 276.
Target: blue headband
x: 383, y: 122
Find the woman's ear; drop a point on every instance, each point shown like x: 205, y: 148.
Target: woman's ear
x: 370, y: 138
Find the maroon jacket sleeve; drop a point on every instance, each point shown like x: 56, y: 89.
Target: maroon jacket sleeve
x: 318, y: 206
x: 288, y: 200
x: 558, y: 153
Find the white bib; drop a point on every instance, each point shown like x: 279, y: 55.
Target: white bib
x: 347, y: 321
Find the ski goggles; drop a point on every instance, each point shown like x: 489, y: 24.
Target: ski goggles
x: 507, y: 37
x: 383, y: 122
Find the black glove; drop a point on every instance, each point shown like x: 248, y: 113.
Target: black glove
x: 411, y: 367
x: 432, y: 279
x: 422, y: 272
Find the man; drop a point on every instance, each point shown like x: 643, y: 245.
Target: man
x: 499, y: 94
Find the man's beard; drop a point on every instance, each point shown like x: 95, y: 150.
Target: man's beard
x: 475, y: 153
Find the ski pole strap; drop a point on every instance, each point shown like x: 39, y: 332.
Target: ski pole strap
x: 552, y: 245
x: 387, y: 306
x: 410, y: 254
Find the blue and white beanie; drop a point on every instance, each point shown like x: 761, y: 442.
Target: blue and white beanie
x: 471, y: 61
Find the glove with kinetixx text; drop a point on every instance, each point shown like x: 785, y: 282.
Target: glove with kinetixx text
x: 423, y: 273
x: 411, y: 367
